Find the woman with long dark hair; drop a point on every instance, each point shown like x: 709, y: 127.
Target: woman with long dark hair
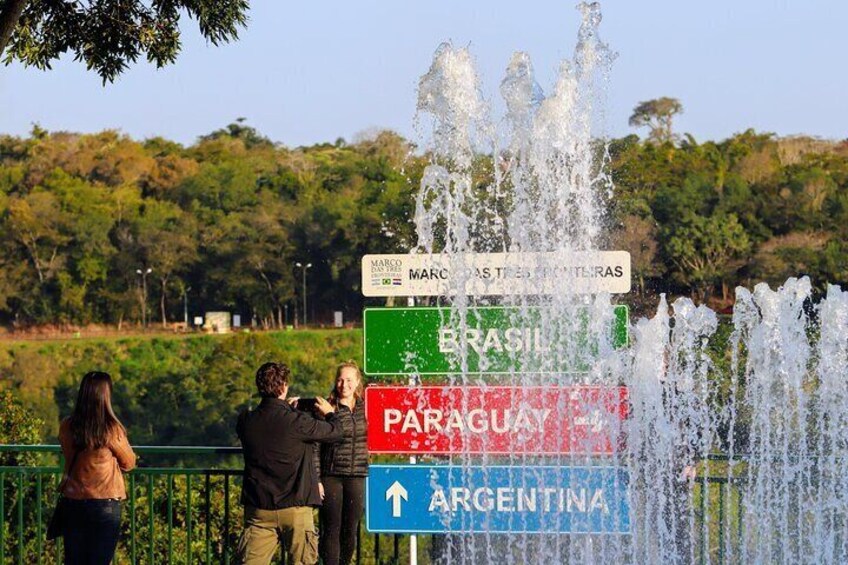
x: 96, y: 450
x: 344, y: 466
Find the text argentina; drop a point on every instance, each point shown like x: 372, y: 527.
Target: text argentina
x: 519, y: 499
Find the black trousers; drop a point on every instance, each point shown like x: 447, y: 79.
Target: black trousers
x: 344, y: 501
x: 91, y: 530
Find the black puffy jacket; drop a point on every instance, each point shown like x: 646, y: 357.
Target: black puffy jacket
x: 349, y: 457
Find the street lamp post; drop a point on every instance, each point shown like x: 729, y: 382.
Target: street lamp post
x: 304, y: 267
x: 143, y: 274
x: 185, y: 305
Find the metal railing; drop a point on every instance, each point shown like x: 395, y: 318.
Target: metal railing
x: 173, y: 514
x: 191, y: 514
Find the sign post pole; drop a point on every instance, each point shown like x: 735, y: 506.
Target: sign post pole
x: 413, y: 539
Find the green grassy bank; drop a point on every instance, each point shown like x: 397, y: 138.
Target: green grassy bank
x: 180, y: 390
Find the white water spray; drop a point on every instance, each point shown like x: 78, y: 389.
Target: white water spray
x: 734, y: 456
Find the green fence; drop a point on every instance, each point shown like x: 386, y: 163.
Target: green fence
x: 174, y: 513
x: 179, y: 512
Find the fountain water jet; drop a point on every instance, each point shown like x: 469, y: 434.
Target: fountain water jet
x: 779, y: 411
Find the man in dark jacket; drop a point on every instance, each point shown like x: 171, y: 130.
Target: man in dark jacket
x: 280, y: 485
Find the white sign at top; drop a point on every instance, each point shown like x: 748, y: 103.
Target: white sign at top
x: 480, y: 274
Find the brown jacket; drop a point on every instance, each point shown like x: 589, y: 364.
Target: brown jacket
x: 97, y: 472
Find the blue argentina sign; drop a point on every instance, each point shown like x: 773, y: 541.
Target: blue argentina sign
x: 497, y: 499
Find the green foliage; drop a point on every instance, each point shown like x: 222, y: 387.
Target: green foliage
x: 706, y: 249
x: 657, y: 115
x: 249, y: 135
x: 156, y: 517
x: 200, y: 382
x: 226, y: 218
x: 222, y: 222
x: 751, y: 207
x: 17, y: 426
x: 108, y: 36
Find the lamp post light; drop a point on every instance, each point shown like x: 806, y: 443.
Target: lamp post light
x: 143, y: 274
x: 185, y: 305
x: 304, y: 267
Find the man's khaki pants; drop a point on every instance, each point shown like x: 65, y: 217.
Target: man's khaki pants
x: 294, y: 527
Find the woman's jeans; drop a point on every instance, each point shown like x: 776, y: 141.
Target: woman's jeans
x: 91, y: 530
x: 344, y: 500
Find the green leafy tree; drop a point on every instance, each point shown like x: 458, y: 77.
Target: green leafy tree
x: 229, y: 215
x: 87, y: 248
x: 787, y: 255
x: 17, y: 426
x: 35, y: 226
x: 109, y: 35
x: 657, y: 115
x: 255, y: 256
x: 833, y: 267
x: 707, y: 250
x: 35, y: 221
x: 166, y: 243
x: 238, y: 130
x: 227, y: 186
x: 638, y: 236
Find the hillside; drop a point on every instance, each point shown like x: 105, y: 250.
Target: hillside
x: 181, y: 390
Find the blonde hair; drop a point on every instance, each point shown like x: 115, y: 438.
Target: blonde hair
x: 360, y: 388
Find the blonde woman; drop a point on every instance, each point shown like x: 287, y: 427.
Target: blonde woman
x: 344, y: 466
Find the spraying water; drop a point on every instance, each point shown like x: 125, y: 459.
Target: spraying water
x: 741, y: 461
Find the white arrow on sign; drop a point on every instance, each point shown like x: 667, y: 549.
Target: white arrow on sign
x: 395, y: 493
x: 596, y: 420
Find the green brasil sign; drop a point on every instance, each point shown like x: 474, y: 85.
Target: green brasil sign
x: 423, y: 341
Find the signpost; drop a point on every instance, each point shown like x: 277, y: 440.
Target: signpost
x: 402, y: 341
x: 502, y: 274
x: 495, y: 419
x: 497, y: 499
x: 568, y: 420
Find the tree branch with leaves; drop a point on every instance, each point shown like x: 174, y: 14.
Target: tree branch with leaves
x: 109, y: 35
x: 657, y: 115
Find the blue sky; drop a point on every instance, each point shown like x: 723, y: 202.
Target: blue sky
x: 309, y: 72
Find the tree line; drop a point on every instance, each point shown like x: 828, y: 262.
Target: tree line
x: 103, y: 229
x: 702, y: 218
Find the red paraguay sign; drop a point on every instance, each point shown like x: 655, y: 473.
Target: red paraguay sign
x: 495, y: 419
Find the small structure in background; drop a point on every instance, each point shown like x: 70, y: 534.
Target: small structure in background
x: 236, y: 320
x: 338, y: 319
x: 198, y: 321
x: 217, y: 322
